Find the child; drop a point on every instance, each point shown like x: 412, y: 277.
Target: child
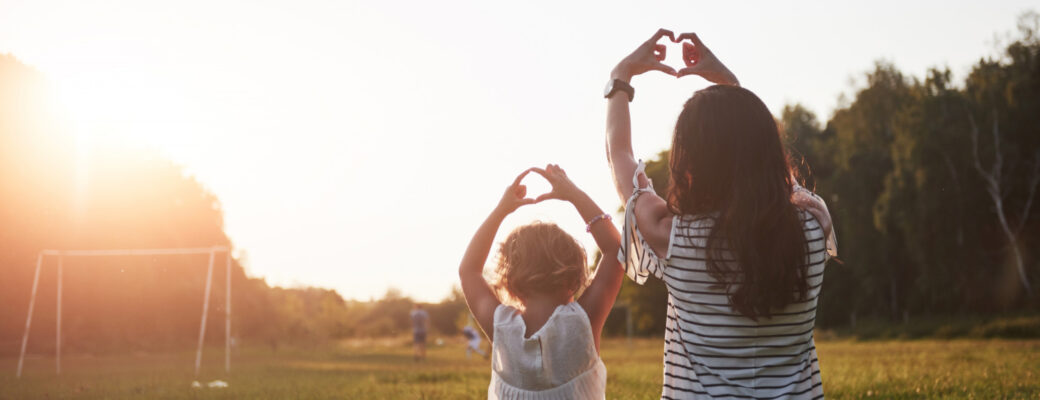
x: 548, y: 346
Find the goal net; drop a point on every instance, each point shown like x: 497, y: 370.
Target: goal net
x: 62, y: 254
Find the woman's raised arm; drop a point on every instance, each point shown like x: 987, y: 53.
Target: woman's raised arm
x: 646, y: 57
x: 652, y: 214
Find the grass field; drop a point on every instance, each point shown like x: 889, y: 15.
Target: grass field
x: 980, y: 369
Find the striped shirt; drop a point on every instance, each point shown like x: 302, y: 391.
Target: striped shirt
x: 712, y: 351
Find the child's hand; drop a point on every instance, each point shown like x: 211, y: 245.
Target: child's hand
x: 513, y: 198
x: 562, y: 187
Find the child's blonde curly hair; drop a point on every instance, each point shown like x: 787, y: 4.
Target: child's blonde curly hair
x: 540, y: 259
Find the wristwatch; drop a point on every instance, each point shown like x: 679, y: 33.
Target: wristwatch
x: 616, y: 85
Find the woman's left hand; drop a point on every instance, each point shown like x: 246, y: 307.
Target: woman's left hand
x: 646, y: 57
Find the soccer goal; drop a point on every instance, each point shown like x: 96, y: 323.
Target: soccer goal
x: 61, y: 254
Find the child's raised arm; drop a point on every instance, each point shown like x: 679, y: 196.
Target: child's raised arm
x: 479, y: 296
x: 599, y: 296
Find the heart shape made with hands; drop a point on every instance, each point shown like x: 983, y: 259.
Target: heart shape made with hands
x: 535, y: 186
x: 693, y: 50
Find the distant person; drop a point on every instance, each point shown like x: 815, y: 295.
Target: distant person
x: 472, y: 341
x: 547, y: 345
x: 420, y: 323
x: 739, y: 244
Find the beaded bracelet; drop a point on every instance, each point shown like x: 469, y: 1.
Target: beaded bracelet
x: 604, y: 216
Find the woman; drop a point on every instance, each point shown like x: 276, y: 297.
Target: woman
x: 739, y: 245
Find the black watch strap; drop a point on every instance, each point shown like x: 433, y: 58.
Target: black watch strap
x: 617, y: 85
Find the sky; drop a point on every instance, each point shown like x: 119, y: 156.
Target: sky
x: 358, y: 145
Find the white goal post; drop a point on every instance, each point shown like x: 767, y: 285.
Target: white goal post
x: 61, y: 254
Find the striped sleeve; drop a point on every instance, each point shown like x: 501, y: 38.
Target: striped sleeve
x: 635, y: 253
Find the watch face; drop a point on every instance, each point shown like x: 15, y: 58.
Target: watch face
x: 609, y: 88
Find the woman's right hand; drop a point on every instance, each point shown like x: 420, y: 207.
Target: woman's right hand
x: 701, y: 61
x: 646, y: 57
x: 811, y: 202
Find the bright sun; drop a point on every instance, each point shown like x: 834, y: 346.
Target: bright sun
x: 133, y: 107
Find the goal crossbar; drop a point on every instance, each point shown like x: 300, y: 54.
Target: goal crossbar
x: 61, y: 254
x: 136, y: 252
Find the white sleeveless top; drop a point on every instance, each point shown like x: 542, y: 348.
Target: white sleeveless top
x: 557, y: 362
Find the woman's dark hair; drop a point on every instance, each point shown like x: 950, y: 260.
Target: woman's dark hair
x: 728, y: 160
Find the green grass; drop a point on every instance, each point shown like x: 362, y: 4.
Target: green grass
x: 939, y: 327
x: 981, y: 369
